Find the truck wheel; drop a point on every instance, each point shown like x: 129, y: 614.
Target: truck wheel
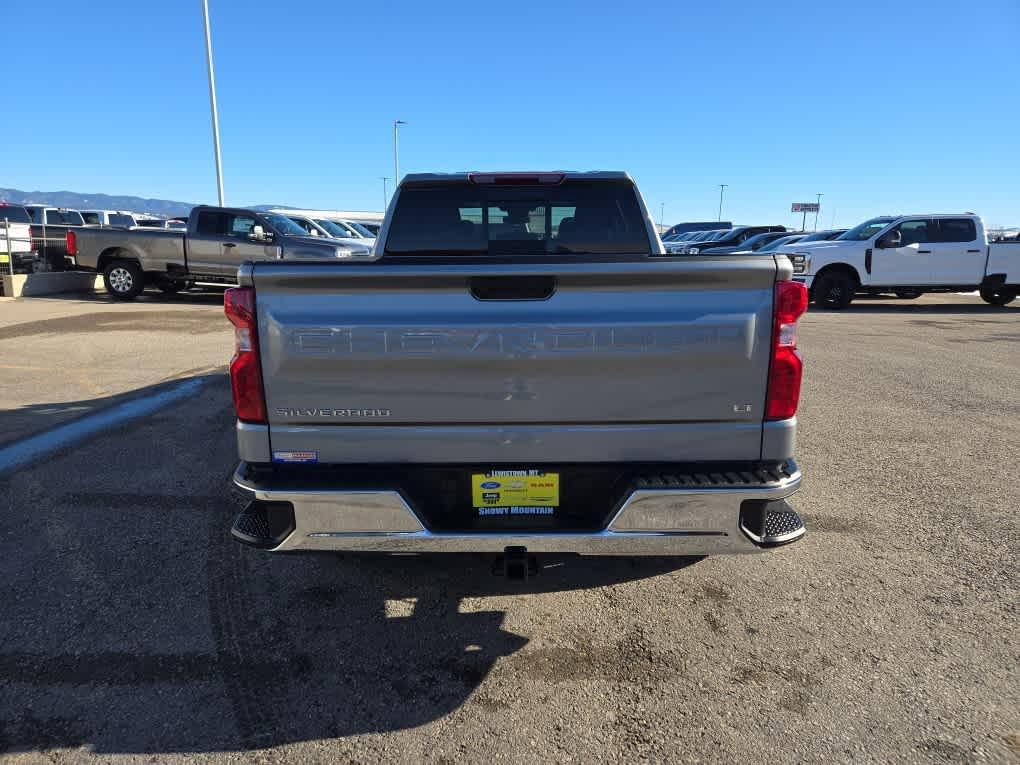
x: 124, y: 280
x: 834, y: 290
x: 998, y: 295
x: 908, y: 294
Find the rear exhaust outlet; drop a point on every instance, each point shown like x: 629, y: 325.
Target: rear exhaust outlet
x: 516, y: 564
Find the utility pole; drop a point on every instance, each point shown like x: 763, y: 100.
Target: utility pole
x: 396, y: 150
x: 385, y: 199
x: 722, y: 188
x: 819, y: 209
x: 212, y: 102
x: 662, y: 214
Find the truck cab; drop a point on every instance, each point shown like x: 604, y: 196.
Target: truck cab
x: 108, y: 218
x: 49, y: 234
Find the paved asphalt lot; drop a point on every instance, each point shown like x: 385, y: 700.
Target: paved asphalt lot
x: 134, y: 629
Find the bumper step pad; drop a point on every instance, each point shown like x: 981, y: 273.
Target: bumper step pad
x: 780, y: 525
x: 763, y: 475
x: 771, y: 524
x: 263, y: 524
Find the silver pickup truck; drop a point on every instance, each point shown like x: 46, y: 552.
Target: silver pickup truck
x: 218, y: 240
x: 519, y: 367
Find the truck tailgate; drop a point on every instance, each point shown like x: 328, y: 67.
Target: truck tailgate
x: 661, y: 360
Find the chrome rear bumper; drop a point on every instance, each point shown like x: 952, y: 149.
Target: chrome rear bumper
x: 651, y: 521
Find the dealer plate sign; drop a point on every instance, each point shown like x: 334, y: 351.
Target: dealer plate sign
x: 515, y: 492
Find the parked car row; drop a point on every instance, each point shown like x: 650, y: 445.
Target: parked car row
x: 740, y: 239
x: 216, y: 242
x: 38, y: 233
x: 334, y: 229
x: 905, y: 256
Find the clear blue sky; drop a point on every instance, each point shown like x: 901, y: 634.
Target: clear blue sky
x: 901, y: 105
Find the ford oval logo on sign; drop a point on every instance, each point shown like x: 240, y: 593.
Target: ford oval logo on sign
x: 491, y: 485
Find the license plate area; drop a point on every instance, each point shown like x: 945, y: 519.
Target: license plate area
x: 548, y: 497
x: 516, y: 497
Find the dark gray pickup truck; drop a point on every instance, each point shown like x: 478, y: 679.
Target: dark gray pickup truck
x: 218, y: 240
x: 519, y: 367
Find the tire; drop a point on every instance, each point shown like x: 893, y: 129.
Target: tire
x: 998, y: 295
x: 834, y: 290
x: 908, y: 294
x: 124, y: 280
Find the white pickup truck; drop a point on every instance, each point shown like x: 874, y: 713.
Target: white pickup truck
x: 907, y: 256
x: 16, y: 249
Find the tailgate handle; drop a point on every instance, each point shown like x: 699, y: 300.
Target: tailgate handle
x: 512, y: 287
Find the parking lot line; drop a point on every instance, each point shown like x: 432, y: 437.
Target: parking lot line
x: 62, y: 436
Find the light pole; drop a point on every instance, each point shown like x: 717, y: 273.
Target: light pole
x: 662, y: 214
x: 722, y: 187
x: 819, y: 209
x: 396, y: 150
x: 385, y: 199
x: 212, y: 102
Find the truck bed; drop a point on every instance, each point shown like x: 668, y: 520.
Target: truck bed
x: 154, y: 249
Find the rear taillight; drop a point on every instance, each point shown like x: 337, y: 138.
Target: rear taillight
x: 72, y: 243
x: 786, y: 368
x: 245, y: 367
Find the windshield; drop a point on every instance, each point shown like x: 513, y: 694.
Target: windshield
x: 283, y: 224
x: 574, y: 217
x: 334, y: 228
x: 756, y: 241
x: 732, y: 233
x: 773, y: 246
x: 866, y: 230
x: 366, y: 233
x: 819, y: 236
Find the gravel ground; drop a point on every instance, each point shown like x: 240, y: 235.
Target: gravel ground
x: 65, y: 356
x: 134, y: 630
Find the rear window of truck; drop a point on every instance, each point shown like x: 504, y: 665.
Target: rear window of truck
x: 574, y: 218
x: 14, y: 214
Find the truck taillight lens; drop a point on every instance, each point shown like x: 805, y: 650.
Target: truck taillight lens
x: 786, y: 368
x: 72, y: 243
x: 245, y: 367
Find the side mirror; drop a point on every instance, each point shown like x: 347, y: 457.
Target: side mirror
x: 259, y: 234
x: 890, y: 240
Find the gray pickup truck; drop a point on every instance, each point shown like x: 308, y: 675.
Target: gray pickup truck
x: 217, y: 242
x: 518, y: 368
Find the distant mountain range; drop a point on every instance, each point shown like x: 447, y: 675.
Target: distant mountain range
x: 160, y: 207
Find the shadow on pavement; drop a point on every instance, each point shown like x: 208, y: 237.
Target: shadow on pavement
x: 896, y: 306
x: 30, y: 419
x: 205, y: 295
x: 134, y: 624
